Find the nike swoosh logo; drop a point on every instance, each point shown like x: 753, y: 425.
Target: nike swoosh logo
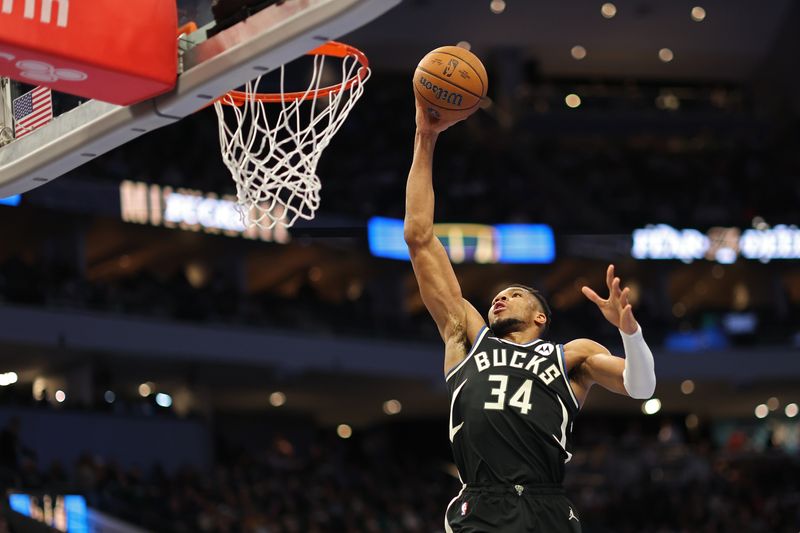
x: 454, y: 430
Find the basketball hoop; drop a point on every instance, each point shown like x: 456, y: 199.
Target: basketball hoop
x: 274, y: 164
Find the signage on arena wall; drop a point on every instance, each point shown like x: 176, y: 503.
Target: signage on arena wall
x: 62, y: 512
x: 190, y: 210
x: 473, y: 243
x: 720, y: 244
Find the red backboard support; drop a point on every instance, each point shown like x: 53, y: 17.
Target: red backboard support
x: 117, y: 52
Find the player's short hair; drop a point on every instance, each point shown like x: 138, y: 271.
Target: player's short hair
x: 542, y: 303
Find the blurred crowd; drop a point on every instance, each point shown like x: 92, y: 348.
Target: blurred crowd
x: 376, y: 311
x: 379, y: 481
x: 586, y: 177
x: 33, y: 282
x: 529, y: 165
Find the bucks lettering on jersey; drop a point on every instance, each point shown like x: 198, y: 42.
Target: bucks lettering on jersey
x: 511, y: 412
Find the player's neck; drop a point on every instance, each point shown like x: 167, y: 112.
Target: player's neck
x: 522, y: 337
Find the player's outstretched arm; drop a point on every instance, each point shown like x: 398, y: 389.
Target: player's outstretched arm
x: 635, y: 375
x: 458, y: 321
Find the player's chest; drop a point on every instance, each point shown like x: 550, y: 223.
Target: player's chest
x: 498, y: 377
x: 539, y: 363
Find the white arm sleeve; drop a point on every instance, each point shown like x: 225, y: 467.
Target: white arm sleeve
x: 639, y: 375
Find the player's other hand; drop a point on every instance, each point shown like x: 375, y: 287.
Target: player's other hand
x: 615, y: 308
x: 427, y: 123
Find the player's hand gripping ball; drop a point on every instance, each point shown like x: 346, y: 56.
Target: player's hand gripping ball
x: 450, y: 83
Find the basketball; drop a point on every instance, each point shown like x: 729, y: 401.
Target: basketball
x: 450, y: 81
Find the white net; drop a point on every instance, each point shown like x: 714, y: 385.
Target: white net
x: 273, y: 156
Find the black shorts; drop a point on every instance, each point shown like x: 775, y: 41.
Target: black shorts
x: 511, y: 509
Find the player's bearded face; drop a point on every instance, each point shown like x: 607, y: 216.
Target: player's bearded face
x: 503, y: 326
x: 510, y: 312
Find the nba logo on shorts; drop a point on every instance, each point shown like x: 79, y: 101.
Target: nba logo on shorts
x: 464, y: 509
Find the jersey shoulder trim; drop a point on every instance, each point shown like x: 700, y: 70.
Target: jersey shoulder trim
x: 562, y: 363
x: 526, y: 345
x: 472, y: 350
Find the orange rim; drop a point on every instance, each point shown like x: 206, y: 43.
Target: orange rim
x: 187, y: 28
x: 331, y: 48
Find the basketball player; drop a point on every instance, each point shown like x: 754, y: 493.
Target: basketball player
x: 513, y: 395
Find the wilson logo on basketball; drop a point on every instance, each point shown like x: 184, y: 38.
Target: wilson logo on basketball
x: 450, y: 97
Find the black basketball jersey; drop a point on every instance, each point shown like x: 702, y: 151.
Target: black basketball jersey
x: 511, y: 412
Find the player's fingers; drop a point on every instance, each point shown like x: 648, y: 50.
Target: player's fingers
x: 623, y: 297
x: 615, y: 292
x: 591, y: 295
x: 609, y: 276
x: 627, y: 314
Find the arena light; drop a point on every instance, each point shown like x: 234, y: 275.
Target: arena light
x: 773, y: 403
x: 163, y: 400
x: 759, y: 223
x: 109, y: 396
x: 8, y: 378
x: 277, y: 399
x: 791, y: 410
x: 692, y: 421
x: 392, y: 407
x: 608, y: 10
x: 668, y: 101
x: 497, y: 6
x: 698, y: 14
x: 687, y: 386
x: 60, y: 396
x: 651, y: 406
x: 740, y: 323
x: 572, y: 100
x: 464, y: 44
x: 578, y: 52
x: 474, y: 243
x: 666, y: 55
x: 344, y: 431
x: 39, y: 387
x: 761, y: 410
x: 145, y: 389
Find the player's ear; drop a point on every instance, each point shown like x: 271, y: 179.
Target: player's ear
x: 540, y: 318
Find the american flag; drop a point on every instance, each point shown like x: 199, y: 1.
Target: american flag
x: 32, y: 110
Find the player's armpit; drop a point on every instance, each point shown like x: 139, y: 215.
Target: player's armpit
x: 475, y: 322
x: 459, y: 344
